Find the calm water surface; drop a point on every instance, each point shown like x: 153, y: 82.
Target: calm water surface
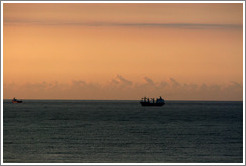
x: 55, y: 131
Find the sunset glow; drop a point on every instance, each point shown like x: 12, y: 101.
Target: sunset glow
x: 183, y: 51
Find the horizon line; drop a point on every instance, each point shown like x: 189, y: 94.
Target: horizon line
x: 128, y: 100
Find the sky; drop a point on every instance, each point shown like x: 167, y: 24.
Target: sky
x: 123, y: 51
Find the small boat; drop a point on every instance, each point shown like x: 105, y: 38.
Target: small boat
x: 152, y: 102
x: 14, y: 100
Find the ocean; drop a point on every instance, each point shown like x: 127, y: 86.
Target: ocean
x: 73, y: 131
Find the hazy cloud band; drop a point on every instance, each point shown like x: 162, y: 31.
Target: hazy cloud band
x: 125, y: 24
x: 122, y: 88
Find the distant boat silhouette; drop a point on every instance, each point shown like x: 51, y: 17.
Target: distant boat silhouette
x: 152, y: 102
x: 14, y: 100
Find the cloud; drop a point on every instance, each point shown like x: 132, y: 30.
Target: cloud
x: 235, y: 84
x: 149, y: 81
x: 79, y: 83
x: 125, y: 81
x: 174, y: 83
x: 122, y: 81
x: 115, y: 82
x: 123, y: 24
x: 121, y: 88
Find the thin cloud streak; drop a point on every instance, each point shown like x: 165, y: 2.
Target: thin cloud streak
x: 124, y: 24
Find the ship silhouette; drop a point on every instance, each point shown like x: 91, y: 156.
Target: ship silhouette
x: 152, y: 101
x: 14, y: 100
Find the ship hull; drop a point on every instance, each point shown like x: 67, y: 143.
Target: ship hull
x: 16, y: 101
x: 151, y: 104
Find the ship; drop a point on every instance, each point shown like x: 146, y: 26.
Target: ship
x: 14, y: 100
x: 152, y: 101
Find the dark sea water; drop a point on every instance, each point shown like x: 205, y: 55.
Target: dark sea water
x: 55, y: 131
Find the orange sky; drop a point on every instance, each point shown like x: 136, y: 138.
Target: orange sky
x: 123, y: 51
